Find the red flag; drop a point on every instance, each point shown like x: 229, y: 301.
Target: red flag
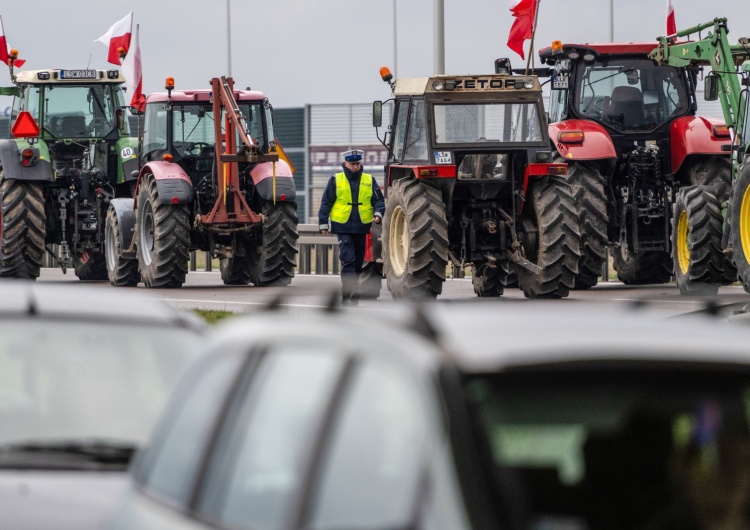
x: 524, y: 12
x: 671, y: 25
x: 118, y: 37
x: 131, y: 70
x: 5, y: 49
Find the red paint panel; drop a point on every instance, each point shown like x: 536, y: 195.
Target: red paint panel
x: 692, y: 135
x: 596, y: 143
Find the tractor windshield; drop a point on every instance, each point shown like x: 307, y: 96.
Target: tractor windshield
x: 630, y: 95
x: 193, y: 127
x: 487, y: 122
x: 75, y: 111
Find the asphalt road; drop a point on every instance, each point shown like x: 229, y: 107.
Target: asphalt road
x: 205, y: 290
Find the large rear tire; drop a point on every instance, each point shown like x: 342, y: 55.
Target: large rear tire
x: 90, y: 266
x: 591, y: 205
x: 273, y: 260
x: 22, y: 228
x: 713, y: 171
x: 554, y: 242
x: 642, y: 268
x: 739, y: 226
x: 163, y: 232
x: 121, y: 271
x: 696, y: 241
x: 415, y: 240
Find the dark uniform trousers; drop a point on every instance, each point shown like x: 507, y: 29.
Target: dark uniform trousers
x: 352, y: 255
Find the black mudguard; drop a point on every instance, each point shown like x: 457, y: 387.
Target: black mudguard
x: 125, y: 212
x: 173, y: 188
x: 10, y: 161
x: 284, y: 186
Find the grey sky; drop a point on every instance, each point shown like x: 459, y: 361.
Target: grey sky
x: 324, y: 51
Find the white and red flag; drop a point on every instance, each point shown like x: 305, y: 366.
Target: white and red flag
x: 5, y: 49
x: 118, y: 38
x: 671, y: 24
x: 522, y: 29
x: 133, y: 73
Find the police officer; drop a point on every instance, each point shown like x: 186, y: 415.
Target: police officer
x: 351, y: 202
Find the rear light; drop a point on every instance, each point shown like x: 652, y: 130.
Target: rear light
x: 428, y: 172
x: 175, y: 200
x: 167, y: 157
x: 570, y: 137
x: 561, y: 169
x: 282, y: 197
x: 721, y: 131
x: 27, y: 156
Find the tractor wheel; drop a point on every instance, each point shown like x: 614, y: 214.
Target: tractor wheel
x: 591, y: 205
x: 236, y: 270
x: 371, y: 281
x: 122, y: 272
x: 714, y: 171
x: 415, y: 240
x: 739, y: 226
x: 509, y: 272
x: 23, y: 226
x: 489, y: 280
x: 163, y: 232
x: 90, y: 266
x: 273, y: 259
x: 551, y: 240
x: 696, y: 241
x: 642, y: 268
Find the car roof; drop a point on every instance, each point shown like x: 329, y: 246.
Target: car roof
x: 481, y: 336
x: 75, y: 302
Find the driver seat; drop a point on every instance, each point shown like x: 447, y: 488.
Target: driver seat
x: 625, y: 108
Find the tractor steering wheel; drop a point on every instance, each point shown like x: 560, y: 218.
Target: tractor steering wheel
x: 197, y: 148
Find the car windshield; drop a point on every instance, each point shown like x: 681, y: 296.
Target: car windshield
x: 630, y: 95
x: 487, y: 122
x: 76, y: 111
x: 624, y: 449
x: 67, y: 382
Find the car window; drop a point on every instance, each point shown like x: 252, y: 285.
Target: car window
x: 628, y: 448
x: 259, y: 462
x: 399, y: 130
x: 168, y: 468
x: 376, y: 459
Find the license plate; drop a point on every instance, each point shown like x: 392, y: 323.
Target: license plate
x: 77, y: 74
x: 443, y: 157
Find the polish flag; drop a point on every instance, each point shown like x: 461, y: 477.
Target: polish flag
x: 671, y: 24
x: 131, y: 70
x: 5, y: 49
x: 524, y: 12
x: 118, y: 37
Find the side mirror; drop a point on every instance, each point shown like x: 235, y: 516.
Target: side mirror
x: 120, y: 117
x: 377, y: 114
x: 711, y: 87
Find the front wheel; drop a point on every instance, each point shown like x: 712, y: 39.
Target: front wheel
x: 551, y: 239
x: 415, y: 240
x: 642, y: 268
x: 121, y: 271
x: 273, y: 257
x: 90, y: 266
x: 163, y: 244
x: 22, y: 228
x: 696, y: 241
x: 489, y: 279
x: 739, y: 223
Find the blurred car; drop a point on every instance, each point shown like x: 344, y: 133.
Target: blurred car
x: 84, y: 372
x: 452, y: 416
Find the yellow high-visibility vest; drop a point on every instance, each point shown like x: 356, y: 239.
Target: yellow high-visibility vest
x: 342, y: 208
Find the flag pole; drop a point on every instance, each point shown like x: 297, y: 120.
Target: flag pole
x: 533, y: 34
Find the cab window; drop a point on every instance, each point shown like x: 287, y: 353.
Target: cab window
x: 399, y: 130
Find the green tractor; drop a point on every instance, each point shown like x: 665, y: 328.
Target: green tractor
x: 711, y: 233
x: 70, y: 153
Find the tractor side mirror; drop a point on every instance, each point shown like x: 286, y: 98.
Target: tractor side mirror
x: 120, y: 117
x: 377, y: 113
x: 711, y: 87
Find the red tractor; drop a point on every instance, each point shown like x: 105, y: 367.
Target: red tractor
x: 211, y: 179
x: 628, y: 130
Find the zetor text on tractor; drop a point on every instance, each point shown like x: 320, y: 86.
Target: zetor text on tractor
x: 72, y: 152
x: 470, y: 180
x: 628, y: 130
x: 212, y: 180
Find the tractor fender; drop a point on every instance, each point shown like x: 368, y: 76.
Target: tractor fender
x: 173, y: 184
x: 10, y: 161
x: 693, y: 135
x: 263, y: 179
x: 596, y: 144
x: 125, y: 212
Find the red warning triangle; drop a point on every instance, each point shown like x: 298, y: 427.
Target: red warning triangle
x: 25, y: 126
